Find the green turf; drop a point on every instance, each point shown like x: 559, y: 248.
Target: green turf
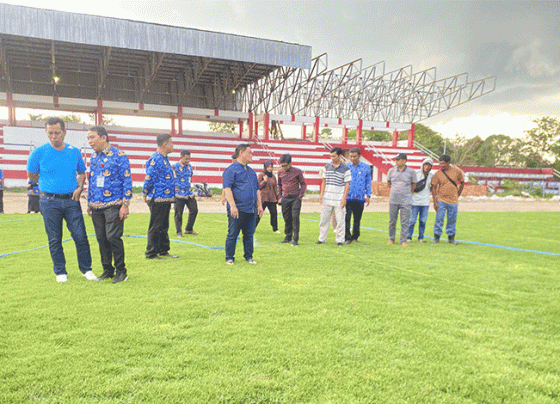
x: 365, y: 323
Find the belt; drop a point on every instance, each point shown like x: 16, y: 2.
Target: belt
x: 57, y: 196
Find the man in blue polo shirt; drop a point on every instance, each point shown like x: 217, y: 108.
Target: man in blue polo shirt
x: 60, y: 171
x: 243, y: 195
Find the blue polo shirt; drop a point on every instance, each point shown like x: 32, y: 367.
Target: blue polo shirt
x: 244, y: 185
x: 1, y: 180
x: 57, y: 169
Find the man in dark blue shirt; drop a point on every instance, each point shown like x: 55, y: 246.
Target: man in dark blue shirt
x: 243, y: 196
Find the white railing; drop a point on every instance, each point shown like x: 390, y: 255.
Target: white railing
x: 426, y: 151
x: 378, y: 153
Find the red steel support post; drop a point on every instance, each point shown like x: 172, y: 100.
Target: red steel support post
x: 303, y: 132
x: 240, y: 129
x: 316, y: 130
x: 345, y: 136
x: 180, y: 119
x: 11, y: 109
x: 411, y: 137
x: 359, y: 132
x: 250, y: 125
x: 395, y: 138
x: 266, y: 126
x: 99, y: 112
x: 172, y: 125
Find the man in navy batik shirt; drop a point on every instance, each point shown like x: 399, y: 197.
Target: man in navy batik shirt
x: 184, y: 194
x: 109, y: 194
x: 159, y: 193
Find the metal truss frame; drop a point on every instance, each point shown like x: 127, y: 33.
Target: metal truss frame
x: 353, y: 92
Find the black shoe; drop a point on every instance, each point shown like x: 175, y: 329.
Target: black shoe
x: 105, y: 275
x: 167, y: 255
x: 451, y: 240
x: 285, y: 241
x: 294, y: 243
x: 348, y: 242
x: 340, y: 244
x: 320, y: 242
x: 155, y: 257
x: 436, y: 239
x: 121, y: 277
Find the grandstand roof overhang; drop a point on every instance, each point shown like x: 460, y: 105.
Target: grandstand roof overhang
x: 60, y: 54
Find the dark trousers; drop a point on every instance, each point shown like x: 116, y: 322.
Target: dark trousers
x: 33, y: 204
x: 355, y: 208
x: 1, y: 201
x: 108, y: 231
x: 273, y: 215
x: 245, y: 222
x: 180, y: 207
x: 158, y: 230
x: 291, y: 207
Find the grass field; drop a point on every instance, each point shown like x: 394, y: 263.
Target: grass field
x: 365, y: 323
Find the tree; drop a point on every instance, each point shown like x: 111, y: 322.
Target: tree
x: 429, y: 138
x: 221, y: 127
x: 66, y: 118
x: 542, y: 144
x: 105, y: 121
x: 371, y: 135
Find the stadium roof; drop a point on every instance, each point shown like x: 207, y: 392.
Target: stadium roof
x: 55, y: 53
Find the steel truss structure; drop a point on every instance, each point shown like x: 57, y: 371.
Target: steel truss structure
x: 360, y: 93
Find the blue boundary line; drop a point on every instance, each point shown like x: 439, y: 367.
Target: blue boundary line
x: 19, y: 220
x: 124, y: 235
x: 309, y: 220
x: 466, y: 242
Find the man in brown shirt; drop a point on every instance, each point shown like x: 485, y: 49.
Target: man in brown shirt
x: 291, y: 188
x: 447, y: 185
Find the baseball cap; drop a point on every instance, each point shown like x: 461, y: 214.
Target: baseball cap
x: 401, y: 156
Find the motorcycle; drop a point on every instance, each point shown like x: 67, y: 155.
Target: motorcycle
x: 202, y: 190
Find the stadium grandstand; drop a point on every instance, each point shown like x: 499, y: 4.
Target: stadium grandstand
x: 66, y: 62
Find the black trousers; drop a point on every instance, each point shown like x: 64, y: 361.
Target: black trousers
x: 33, y: 203
x: 355, y: 208
x: 291, y: 207
x: 1, y: 201
x: 108, y: 231
x: 192, y: 206
x: 158, y: 230
x: 273, y: 215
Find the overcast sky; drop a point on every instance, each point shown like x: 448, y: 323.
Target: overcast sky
x: 518, y: 42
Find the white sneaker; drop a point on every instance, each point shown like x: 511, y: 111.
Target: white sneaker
x: 90, y: 276
x: 61, y: 278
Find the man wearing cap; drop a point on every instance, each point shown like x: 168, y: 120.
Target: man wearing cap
x: 401, y: 181
x: 447, y: 185
x: 421, y: 200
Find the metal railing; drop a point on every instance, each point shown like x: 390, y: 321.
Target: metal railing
x: 555, y: 173
x: 379, y: 153
x: 426, y: 151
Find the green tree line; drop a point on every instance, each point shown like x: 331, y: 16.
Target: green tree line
x: 538, y: 148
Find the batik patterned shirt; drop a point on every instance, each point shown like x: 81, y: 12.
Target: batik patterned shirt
x: 110, y: 182
x: 183, y: 176
x: 159, y: 184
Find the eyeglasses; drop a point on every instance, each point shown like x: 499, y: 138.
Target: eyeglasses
x: 283, y: 165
